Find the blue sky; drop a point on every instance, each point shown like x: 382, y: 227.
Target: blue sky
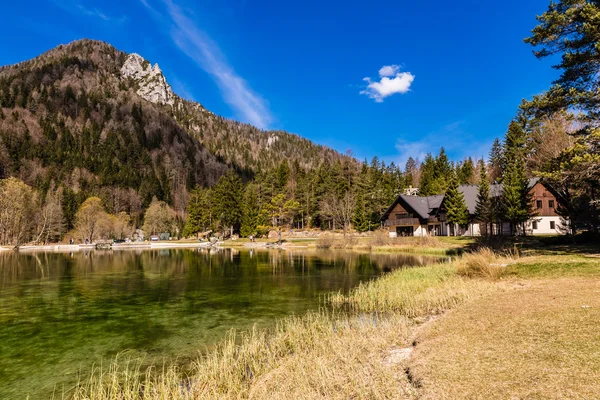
x: 381, y: 78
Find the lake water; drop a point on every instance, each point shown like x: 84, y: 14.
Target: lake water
x: 62, y: 313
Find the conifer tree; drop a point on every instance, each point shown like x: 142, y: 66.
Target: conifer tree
x: 427, y: 182
x: 456, y: 207
x: 361, y: 220
x: 517, y: 208
x: 227, y: 195
x: 199, y: 212
x: 496, y: 161
x: 409, y: 172
x: 251, y: 216
x: 484, y: 210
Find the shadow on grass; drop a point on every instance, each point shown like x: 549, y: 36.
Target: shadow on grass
x: 584, y: 243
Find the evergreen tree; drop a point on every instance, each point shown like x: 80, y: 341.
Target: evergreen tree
x: 484, y: 211
x: 465, y: 172
x: 199, y: 212
x: 361, y: 220
x: 427, y: 182
x: 496, y: 161
x: 456, y: 207
x: 409, y: 172
x: 227, y: 196
x: 517, y: 207
x: 250, y: 211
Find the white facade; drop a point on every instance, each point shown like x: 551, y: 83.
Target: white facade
x: 546, y: 226
x: 536, y: 226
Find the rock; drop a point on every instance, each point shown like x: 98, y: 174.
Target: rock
x: 151, y: 82
x: 396, y: 356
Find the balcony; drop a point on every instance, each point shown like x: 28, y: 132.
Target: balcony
x: 402, y: 222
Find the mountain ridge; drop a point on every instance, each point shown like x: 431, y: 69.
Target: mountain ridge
x: 95, y: 119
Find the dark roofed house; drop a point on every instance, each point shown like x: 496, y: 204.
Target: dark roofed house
x: 425, y: 215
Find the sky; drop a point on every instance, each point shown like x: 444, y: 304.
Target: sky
x: 390, y: 79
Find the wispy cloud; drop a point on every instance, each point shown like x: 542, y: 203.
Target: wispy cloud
x: 198, y: 46
x: 391, y: 81
x: 77, y: 8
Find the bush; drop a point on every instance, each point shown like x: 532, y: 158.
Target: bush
x: 325, y: 242
x: 381, y: 237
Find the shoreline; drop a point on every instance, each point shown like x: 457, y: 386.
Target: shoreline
x: 66, y: 248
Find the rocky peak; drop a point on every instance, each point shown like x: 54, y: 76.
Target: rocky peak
x: 151, y: 82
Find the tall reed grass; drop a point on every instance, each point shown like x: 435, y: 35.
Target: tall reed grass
x: 335, y: 353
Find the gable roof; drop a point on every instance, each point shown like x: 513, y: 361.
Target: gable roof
x: 420, y: 205
x: 425, y: 205
x: 470, y: 192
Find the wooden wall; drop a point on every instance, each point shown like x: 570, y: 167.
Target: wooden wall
x: 540, y: 193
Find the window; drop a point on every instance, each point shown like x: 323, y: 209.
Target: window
x: 539, y: 204
x: 534, y: 225
x: 551, y: 203
x: 552, y: 225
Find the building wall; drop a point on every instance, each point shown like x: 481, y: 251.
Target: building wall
x: 541, y: 194
x: 544, y: 226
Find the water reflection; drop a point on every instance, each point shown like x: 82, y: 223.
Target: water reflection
x: 62, y: 312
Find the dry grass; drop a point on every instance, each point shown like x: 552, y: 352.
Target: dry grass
x: 484, y: 264
x: 314, y: 357
x: 537, y: 342
x: 413, y: 292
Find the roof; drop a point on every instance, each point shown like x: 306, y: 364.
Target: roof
x: 470, y: 192
x: 425, y: 205
x: 422, y: 205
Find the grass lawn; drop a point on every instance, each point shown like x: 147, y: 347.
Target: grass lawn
x: 538, y: 339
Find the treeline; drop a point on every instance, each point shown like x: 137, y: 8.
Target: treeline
x: 28, y: 217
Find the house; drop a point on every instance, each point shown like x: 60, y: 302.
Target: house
x: 411, y: 215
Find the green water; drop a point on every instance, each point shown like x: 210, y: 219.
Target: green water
x: 62, y: 313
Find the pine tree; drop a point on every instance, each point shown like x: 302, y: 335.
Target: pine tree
x: 465, y: 172
x: 250, y: 211
x: 199, y: 212
x: 227, y: 195
x: 409, y: 172
x: 484, y: 211
x: 361, y: 220
x: 427, y: 182
x: 456, y: 207
x: 517, y: 208
x: 496, y: 161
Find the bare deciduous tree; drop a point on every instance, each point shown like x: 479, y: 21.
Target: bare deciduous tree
x: 339, y: 210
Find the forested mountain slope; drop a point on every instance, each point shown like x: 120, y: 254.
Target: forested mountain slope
x: 95, y: 120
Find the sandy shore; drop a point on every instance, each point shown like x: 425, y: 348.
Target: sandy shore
x: 117, y: 246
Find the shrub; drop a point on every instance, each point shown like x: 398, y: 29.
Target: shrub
x: 380, y: 237
x: 325, y: 242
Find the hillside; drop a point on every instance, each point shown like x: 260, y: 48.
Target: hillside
x: 94, y: 119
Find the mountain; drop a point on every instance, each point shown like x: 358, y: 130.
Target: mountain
x: 95, y: 120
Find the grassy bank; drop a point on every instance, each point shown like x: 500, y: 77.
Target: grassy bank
x: 375, y: 242
x: 352, y: 350
x: 538, y: 340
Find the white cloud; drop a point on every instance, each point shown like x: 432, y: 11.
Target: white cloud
x: 198, y: 46
x: 389, y: 70
x: 391, y: 81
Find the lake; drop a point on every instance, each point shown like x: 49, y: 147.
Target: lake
x: 61, y: 313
